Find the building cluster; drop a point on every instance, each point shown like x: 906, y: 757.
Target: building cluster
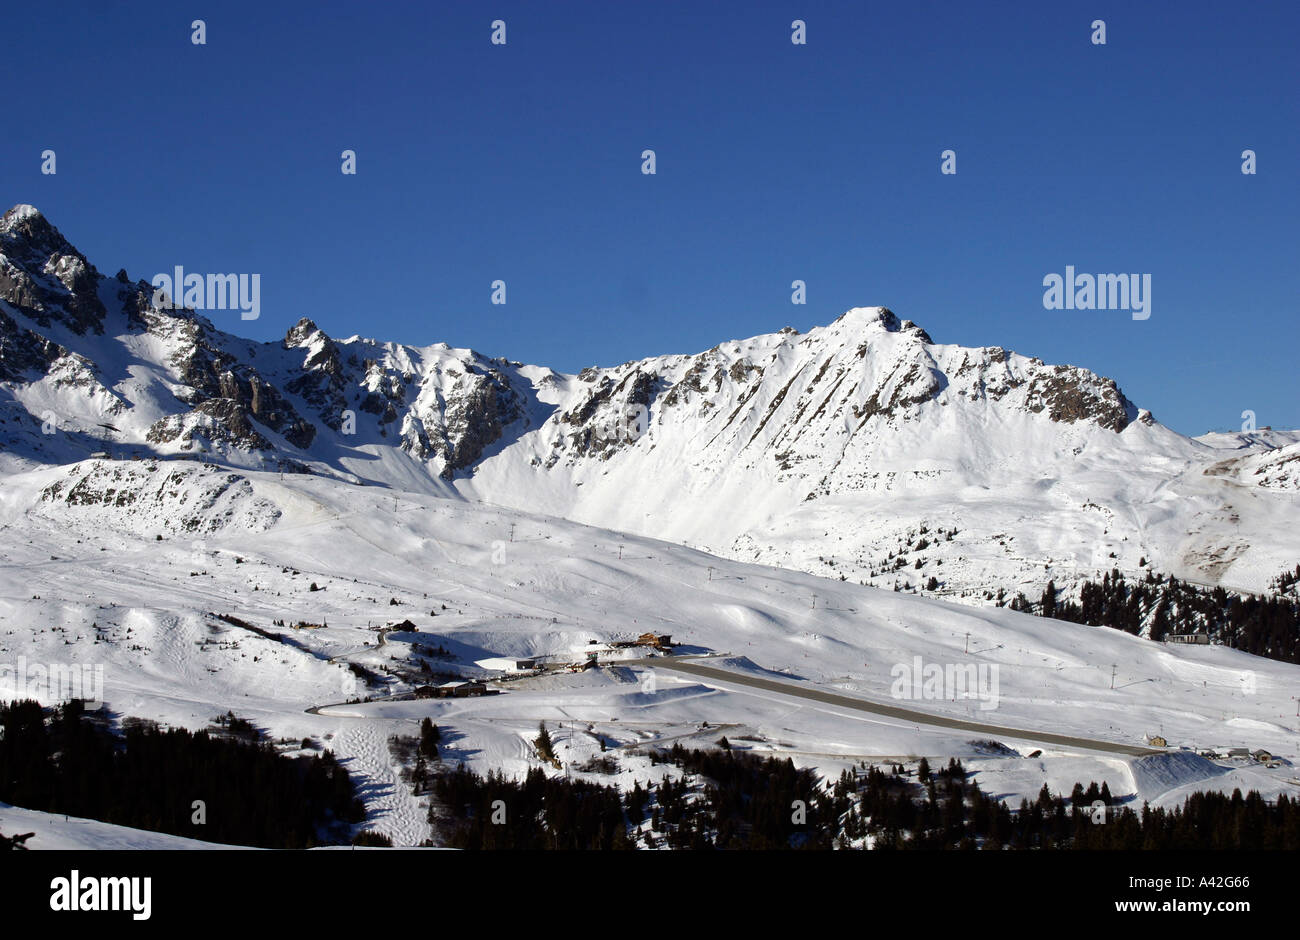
x: 460, y: 688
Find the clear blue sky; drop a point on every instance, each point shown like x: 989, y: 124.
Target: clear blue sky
x: 775, y: 162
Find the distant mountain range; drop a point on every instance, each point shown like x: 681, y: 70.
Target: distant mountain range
x: 862, y: 450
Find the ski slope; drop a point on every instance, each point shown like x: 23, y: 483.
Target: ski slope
x: 97, y: 580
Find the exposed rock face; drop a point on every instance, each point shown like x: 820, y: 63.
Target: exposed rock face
x: 606, y: 419
x: 210, y: 373
x: 1074, y: 395
x: 483, y: 403
x: 215, y: 421
x: 322, y: 382
x: 24, y: 351
x: 44, y: 275
x: 185, y: 498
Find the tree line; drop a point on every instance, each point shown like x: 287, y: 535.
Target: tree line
x: 731, y: 800
x: 946, y: 810
x: 1263, y: 626
x: 62, y: 760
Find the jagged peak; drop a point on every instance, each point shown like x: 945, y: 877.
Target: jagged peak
x: 908, y: 326
x: 869, y: 316
x: 20, y: 213
x: 26, y: 224
x: 301, y: 333
x: 859, y: 319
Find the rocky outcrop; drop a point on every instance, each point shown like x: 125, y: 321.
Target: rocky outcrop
x: 24, y: 353
x: 1069, y: 394
x: 222, y: 421
x: 482, y: 404
x: 211, y: 374
x: 41, y: 273
x: 322, y: 382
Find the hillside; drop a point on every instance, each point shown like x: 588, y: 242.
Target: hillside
x: 477, y: 581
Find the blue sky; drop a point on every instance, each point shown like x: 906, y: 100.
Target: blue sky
x: 775, y: 162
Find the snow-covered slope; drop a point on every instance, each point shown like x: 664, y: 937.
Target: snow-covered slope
x: 1275, y: 469
x: 1261, y: 439
x: 480, y: 581
x: 55, y: 832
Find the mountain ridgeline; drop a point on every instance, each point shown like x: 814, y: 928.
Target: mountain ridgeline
x: 824, y: 451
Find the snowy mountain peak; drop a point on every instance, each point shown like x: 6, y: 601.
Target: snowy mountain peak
x: 863, y: 321
x: 43, y: 274
x: 302, y: 333
x: 882, y: 317
x: 25, y: 229
x: 19, y: 213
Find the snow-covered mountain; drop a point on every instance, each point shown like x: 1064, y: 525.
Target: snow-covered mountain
x: 240, y: 563
x: 862, y: 450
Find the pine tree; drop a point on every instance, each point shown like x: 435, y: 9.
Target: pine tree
x: 429, y: 738
x: 543, y: 743
x: 1048, y: 606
